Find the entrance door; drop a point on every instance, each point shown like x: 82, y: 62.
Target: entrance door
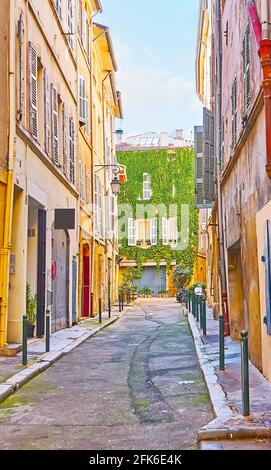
x: 153, y: 279
x: 60, y: 280
x: 86, y: 286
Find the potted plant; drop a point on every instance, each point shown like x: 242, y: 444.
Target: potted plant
x: 31, y: 310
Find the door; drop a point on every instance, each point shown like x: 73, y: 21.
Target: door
x: 153, y: 279
x: 60, y: 280
x: 86, y: 287
x: 41, y: 272
x: 74, y: 292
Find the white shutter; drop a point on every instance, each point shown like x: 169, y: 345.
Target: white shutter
x: 153, y: 231
x: 131, y: 232
x: 84, y: 28
x: 72, y: 150
x: 70, y: 23
x: 164, y: 231
x: 199, y: 198
x: 46, y: 113
x: 82, y: 100
x: 54, y: 111
x: 96, y: 205
x: 87, y: 119
x: 88, y: 188
x: 33, y: 91
x: 146, y: 187
x: 173, y: 231
x: 81, y: 180
x: 59, y: 8
x: 64, y: 135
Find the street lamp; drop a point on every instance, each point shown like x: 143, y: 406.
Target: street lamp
x: 115, y: 184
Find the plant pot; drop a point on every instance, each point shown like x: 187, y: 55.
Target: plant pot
x: 31, y: 329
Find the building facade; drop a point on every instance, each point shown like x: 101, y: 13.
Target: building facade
x: 242, y: 127
x: 47, y: 162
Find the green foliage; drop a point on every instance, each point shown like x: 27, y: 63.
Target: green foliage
x: 167, y: 171
x: 31, y: 306
x: 181, y: 275
x: 129, y: 276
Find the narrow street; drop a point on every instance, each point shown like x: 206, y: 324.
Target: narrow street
x: 136, y: 385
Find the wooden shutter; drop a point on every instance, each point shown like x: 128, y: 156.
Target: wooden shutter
x: 234, y: 112
x: 131, y: 232
x: 33, y: 91
x: 70, y: 23
x: 82, y: 100
x: 64, y: 135
x: 81, y: 180
x: 59, y: 8
x: 54, y: 115
x: 89, y: 42
x: 208, y: 158
x: 84, y: 28
x: 246, y: 71
x: 199, y: 201
x: 72, y: 150
x: 46, y: 113
x: 153, y: 231
x: 164, y: 231
x: 96, y: 205
x: 88, y: 180
x: 267, y: 254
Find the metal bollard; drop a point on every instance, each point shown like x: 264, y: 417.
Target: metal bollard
x: 204, y: 317
x: 120, y: 309
x: 25, y: 335
x: 221, y: 344
x: 193, y: 306
x: 122, y: 301
x: 47, y: 331
x: 100, y: 310
x: 245, y: 373
x: 197, y: 308
x: 189, y: 300
x: 109, y: 306
x: 200, y: 312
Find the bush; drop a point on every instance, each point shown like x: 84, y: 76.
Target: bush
x: 182, y: 275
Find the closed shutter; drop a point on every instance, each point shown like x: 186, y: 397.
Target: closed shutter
x: 246, y: 70
x: 46, y: 112
x: 70, y: 23
x: 88, y: 188
x: 267, y: 249
x: 208, y: 158
x: 131, y: 232
x: 33, y: 91
x: 84, y: 28
x: 82, y: 100
x: 153, y: 231
x: 222, y: 143
x: 234, y: 113
x: 96, y: 205
x: 59, y: 8
x: 165, y: 231
x: 54, y: 111
x: 81, y: 180
x: 172, y: 231
x: 89, y: 43
x: 199, y: 201
x: 72, y: 150
x: 64, y: 135
x: 101, y: 221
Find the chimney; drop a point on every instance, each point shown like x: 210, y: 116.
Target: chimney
x: 164, y: 139
x: 119, y: 133
x: 179, y: 134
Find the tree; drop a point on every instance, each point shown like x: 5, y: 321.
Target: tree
x: 182, y: 275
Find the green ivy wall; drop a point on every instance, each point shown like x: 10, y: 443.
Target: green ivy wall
x: 166, y: 169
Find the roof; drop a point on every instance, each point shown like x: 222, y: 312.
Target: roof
x: 103, y: 37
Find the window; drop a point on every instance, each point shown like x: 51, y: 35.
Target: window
x: 153, y: 230
x: 54, y: 116
x: 21, y: 74
x: 147, y: 194
x: 131, y: 232
x: 89, y: 42
x: 88, y: 181
x: 267, y: 258
x: 72, y: 149
x: 84, y: 27
x: 143, y: 232
x: 222, y: 143
x: 234, y: 112
x: 98, y: 212
x: 173, y: 232
x: 59, y: 8
x: 87, y: 118
x: 70, y: 24
x: 82, y: 100
x: 164, y: 231
x: 246, y: 71
x: 46, y: 113
x: 33, y: 91
x: 64, y: 137
x: 81, y: 180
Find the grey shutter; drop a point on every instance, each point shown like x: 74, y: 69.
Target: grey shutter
x: 267, y: 254
x: 246, y: 71
x: 46, y: 113
x: 72, y: 150
x: 54, y: 115
x: 33, y: 91
x: 64, y: 134
x: 208, y: 157
x: 234, y: 112
x: 198, y: 167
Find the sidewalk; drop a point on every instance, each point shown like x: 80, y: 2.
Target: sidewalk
x: 230, y: 430
x: 13, y: 375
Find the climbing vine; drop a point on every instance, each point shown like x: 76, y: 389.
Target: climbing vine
x: 172, y: 182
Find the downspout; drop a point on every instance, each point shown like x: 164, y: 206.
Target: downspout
x: 218, y: 121
x: 265, y: 56
x: 5, y: 252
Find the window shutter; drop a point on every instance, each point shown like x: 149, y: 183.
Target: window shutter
x: 59, y: 8
x: 81, y: 180
x: 96, y: 205
x: 146, y: 187
x: 208, y: 158
x: 54, y: 111
x: 89, y: 42
x: 64, y: 135
x: 101, y: 223
x: 82, y: 100
x: 33, y: 92
x: 88, y: 188
x: 131, y: 232
x: 72, y: 150
x: 234, y: 112
x: 46, y: 113
x: 267, y: 254
x: 165, y: 231
x: 87, y: 119
x: 246, y: 70
x: 199, y: 201
x: 153, y: 231
x: 84, y: 28
x: 173, y: 231
x: 222, y: 143
x: 70, y: 23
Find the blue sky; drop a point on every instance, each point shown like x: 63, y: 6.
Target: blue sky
x: 155, y: 43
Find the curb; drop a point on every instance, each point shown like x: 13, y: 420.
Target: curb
x: 234, y: 433
x: 14, y: 383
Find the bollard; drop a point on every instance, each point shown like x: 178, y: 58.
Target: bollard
x: 193, y: 306
x: 122, y: 301
x: 189, y: 300
x: 25, y: 335
x: 245, y: 373
x: 120, y: 309
x: 100, y: 310
x: 221, y: 344
x: 197, y: 308
x: 47, y: 331
x: 109, y: 306
x: 204, y: 317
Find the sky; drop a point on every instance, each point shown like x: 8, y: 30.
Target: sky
x: 155, y: 44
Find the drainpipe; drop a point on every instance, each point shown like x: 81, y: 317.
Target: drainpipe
x: 5, y: 252
x: 265, y: 56
x: 218, y: 120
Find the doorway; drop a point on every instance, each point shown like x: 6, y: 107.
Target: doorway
x: 60, y: 280
x: 238, y: 322
x: 86, y: 283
